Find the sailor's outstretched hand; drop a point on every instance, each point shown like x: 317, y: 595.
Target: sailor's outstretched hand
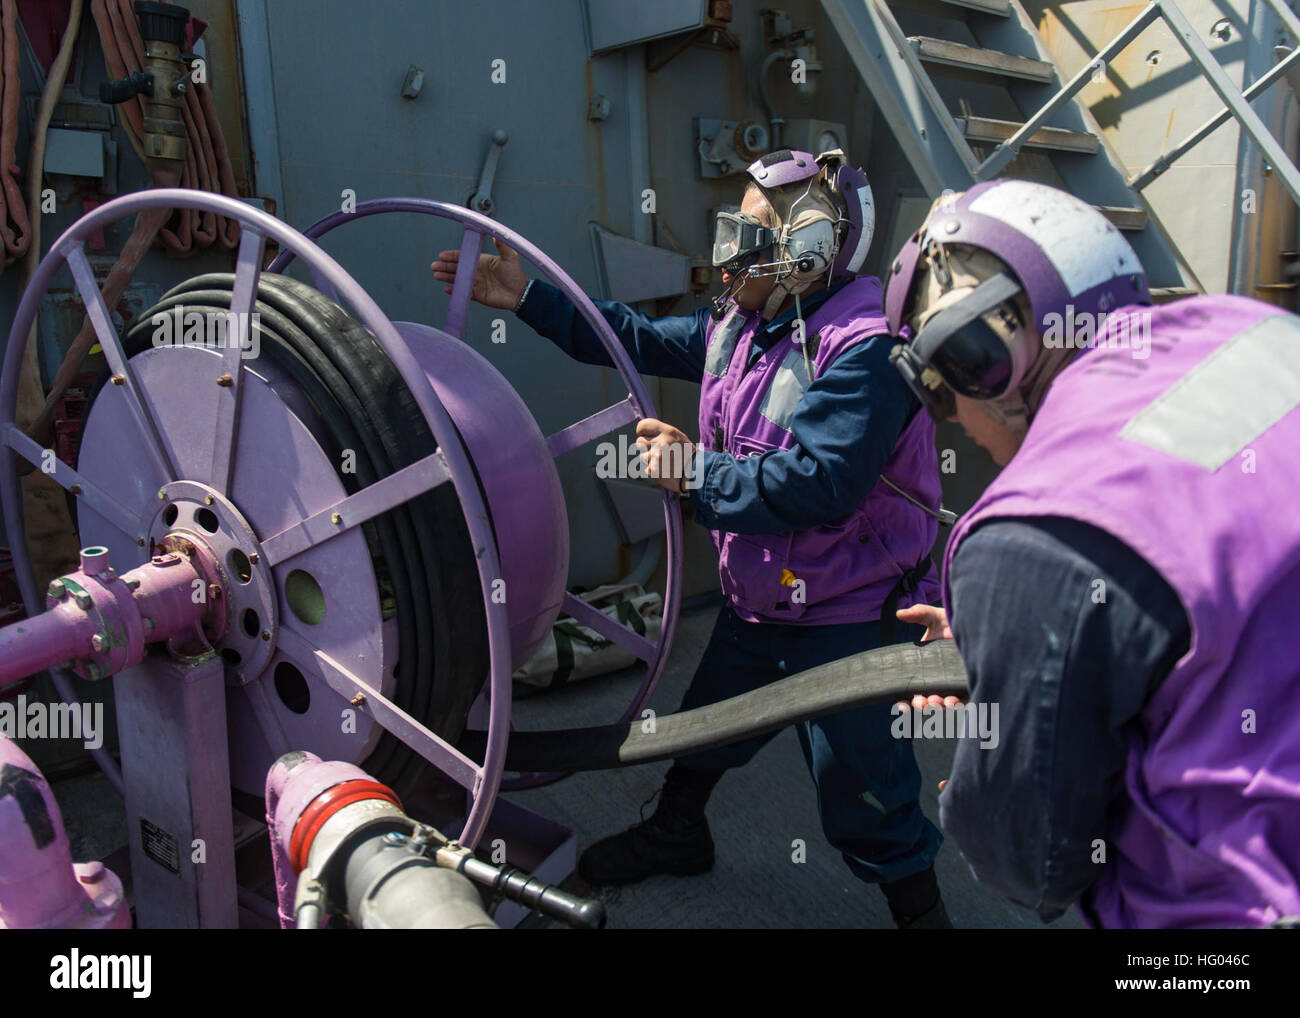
x: 499, y: 279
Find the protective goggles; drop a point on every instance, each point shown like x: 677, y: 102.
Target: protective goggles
x: 738, y: 239
x: 958, y: 350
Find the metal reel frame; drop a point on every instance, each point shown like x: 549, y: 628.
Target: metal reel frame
x: 449, y: 463
x: 475, y: 228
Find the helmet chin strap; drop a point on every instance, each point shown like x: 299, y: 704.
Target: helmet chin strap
x: 779, y: 293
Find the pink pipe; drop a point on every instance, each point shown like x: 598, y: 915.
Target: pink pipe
x: 100, y: 622
x: 40, y: 886
x: 32, y: 645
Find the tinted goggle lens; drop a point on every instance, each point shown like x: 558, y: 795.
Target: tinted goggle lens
x: 974, y: 361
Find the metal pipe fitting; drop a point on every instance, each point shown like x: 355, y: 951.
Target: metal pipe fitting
x: 40, y: 886
x: 161, y: 83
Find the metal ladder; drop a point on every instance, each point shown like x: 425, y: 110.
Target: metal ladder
x: 960, y: 53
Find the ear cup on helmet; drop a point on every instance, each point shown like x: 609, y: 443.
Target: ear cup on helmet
x: 811, y: 247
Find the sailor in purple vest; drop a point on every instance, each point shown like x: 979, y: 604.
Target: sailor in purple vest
x: 1126, y: 590
x: 817, y: 475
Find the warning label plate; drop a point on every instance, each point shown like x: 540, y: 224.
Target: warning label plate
x: 160, y: 846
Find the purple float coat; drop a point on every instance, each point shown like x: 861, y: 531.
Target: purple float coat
x: 847, y: 567
x: 1189, y: 455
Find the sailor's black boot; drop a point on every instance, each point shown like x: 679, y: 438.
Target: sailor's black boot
x: 675, y: 840
x: 915, y: 902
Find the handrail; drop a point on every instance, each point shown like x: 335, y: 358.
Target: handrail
x: 1237, y: 103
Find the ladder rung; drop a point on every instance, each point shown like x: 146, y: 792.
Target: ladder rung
x: 985, y: 61
x: 1124, y: 218
x: 1164, y: 294
x: 1058, y: 139
x: 999, y: 8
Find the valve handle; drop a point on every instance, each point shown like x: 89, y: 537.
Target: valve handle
x: 116, y: 92
x: 525, y: 889
x: 481, y: 200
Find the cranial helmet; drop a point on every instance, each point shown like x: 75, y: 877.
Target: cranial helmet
x: 826, y: 217
x: 961, y: 282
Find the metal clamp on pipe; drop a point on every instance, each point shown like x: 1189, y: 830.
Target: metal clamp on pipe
x: 356, y: 854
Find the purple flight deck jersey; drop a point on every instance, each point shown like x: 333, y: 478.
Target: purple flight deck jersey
x: 1184, y: 443
x: 848, y: 567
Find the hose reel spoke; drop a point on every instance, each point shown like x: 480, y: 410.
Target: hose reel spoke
x: 364, y: 697
x: 141, y: 409
x: 237, y: 339
x: 600, y: 423
x: 627, y: 638
x: 387, y: 493
x: 72, y: 482
x: 471, y: 242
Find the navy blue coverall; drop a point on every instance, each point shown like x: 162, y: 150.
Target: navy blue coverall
x: 846, y: 427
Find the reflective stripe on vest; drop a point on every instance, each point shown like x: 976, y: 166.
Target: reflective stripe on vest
x: 788, y: 386
x: 722, y: 344
x: 1228, y: 400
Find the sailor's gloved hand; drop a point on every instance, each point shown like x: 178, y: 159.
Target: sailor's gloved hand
x: 666, y: 453
x: 499, y: 281
x: 935, y: 620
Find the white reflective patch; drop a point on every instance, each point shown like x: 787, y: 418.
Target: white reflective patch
x: 1080, y: 243
x: 786, y: 390
x: 723, y: 343
x: 868, y: 210
x: 1229, y: 399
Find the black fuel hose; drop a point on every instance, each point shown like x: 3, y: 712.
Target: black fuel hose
x: 885, y: 675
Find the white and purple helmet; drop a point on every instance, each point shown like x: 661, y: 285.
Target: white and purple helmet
x: 1064, y: 256
x: 846, y: 188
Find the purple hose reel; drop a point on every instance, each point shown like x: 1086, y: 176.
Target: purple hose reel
x: 215, y: 446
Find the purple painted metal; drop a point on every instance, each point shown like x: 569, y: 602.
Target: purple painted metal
x: 40, y: 886
x: 372, y: 702
x: 91, y: 495
x: 602, y: 422
x: 471, y: 242
x: 171, y: 720
x: 100, y: 622
x: 609, y: 628
x: 84, y: 276
x: 68, y: 249
x: 262, y: 724
x: 385, y: 494
x: 242, y: 301
x: 476, y: 227
x: 518, y: 476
